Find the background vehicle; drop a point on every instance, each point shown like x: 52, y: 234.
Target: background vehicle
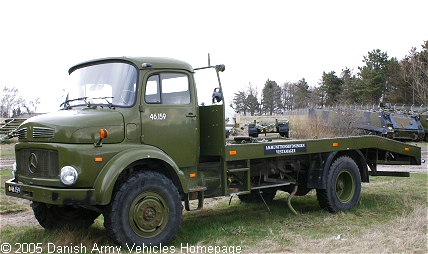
x: 385, y: 122
x: 281, y: 127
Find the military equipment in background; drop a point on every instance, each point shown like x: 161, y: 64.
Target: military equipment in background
x: 281, y: 127
x: 8, y: 127
x: 423, y: 117
x: 385, y: 122
x: 132, y: 143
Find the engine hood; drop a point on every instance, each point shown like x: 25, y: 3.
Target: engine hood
x: 74, y: 126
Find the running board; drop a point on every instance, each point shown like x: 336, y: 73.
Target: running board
x: 389, y: 173
x: 200, y: 190
x: 272, y: 185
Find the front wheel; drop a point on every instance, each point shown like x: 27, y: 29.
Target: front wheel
x: 145, y: 209
x: 343, y: 186
x: 67, y: 216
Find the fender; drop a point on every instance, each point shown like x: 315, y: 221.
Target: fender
x: 107, y: 178
x: 318, y: 178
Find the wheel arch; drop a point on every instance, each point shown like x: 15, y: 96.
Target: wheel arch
x: 321, y: 182
x: 136, y: 158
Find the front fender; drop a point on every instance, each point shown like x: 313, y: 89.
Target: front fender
x: 108, y: 176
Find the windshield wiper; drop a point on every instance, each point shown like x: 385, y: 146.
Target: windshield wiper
x: 66, y: 103
x: 110, y: 105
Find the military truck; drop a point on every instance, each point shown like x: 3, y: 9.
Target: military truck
x: 133, y: 142
x: 264, y: 127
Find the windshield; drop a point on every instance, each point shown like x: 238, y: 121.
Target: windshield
x: 112, y: 84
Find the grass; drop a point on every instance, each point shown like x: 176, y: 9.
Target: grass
x: 7, y: 148
x: 391, y: 217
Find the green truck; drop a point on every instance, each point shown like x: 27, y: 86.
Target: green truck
x: 133, y: 142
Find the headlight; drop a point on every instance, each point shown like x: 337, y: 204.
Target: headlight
x: 14, y: 168
x: 68, y: 175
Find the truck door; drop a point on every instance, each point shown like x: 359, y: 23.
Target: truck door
x: 169, y: 116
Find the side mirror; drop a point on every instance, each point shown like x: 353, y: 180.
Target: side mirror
x: 220, y: 68
x: 216, y: 95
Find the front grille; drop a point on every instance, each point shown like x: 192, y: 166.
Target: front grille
x: 22, y: 133
x: 37, y: 163
x: 41, y: 132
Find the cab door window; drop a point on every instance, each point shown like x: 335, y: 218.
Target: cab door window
x: 167, y: 88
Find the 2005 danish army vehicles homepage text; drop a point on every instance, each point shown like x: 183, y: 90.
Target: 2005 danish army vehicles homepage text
x: 132, y: 142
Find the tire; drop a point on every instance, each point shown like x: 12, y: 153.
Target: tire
x: 343, y: 186
x: 253, y: 131
x: 145, y: 209
x: 254, y: 196
x: 58, y: 217
x: 284, y: 134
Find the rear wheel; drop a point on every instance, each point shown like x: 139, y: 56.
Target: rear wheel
x: 343, y: 186
x: 68, y: 216
x: 145, y: 209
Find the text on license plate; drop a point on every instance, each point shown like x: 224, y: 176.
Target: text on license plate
x: 14, y: 189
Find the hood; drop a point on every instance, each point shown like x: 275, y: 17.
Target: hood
x: 74, y: 126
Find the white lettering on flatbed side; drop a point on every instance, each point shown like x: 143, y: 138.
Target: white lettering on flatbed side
x: 285, y: 148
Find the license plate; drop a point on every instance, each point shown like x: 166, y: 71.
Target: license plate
x: 14, y: 189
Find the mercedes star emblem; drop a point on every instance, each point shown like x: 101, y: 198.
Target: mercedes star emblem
x: 32, y: 163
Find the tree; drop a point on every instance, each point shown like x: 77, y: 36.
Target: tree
x: 397, y: 90
x: 373, y: 77
x: 287, y: 96
x: 252, y: 103
x: 332, y: 86
x: 415, y: 73
x: 11, y: 103
x: 238, y: 102
x: 317, y: 97
x: 348, y: 94
x: 302, y: 94
x: 271, y: 94
x: 246, y: 101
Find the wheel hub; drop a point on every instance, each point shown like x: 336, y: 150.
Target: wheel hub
x: 345, y: 186
x: 149, y: 214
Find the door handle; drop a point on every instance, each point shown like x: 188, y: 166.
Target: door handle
x: 191, y: 115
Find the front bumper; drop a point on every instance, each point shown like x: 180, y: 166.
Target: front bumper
x: 54, y: 196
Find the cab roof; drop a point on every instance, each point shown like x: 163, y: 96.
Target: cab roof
x: 141, y: 63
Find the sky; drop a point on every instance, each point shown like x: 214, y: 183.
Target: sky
x: 283, y: 41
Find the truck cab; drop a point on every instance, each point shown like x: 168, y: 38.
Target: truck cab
x: 120, y: 117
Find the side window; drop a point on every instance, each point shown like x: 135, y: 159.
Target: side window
x: 168, y: 88
x: 152, y: 94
